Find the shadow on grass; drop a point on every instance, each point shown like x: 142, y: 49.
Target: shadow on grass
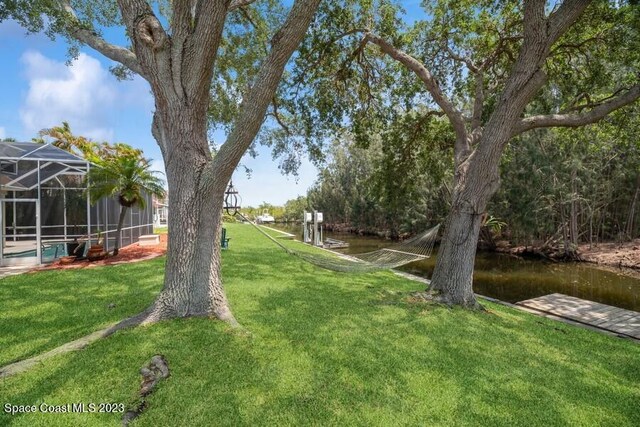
x: 207, y: 363
x: 45, y: 309
x: 344, y: 349
x: 439, y: 365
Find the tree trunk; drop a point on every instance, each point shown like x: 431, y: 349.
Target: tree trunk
x: 453, y: 275
x: 193, y: 283
x: 179, y: 63
x: 123, y: 213
x: 477, y: 180
x: 573, y: 218
x: 632, y: 211
x: 565, y: 229
x: 478, y: 149
x: 590, y: 227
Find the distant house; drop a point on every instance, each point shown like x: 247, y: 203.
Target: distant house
x: 45, y: 212
x: 160, y: 211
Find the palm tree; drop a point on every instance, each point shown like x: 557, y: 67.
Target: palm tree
x: 124, y: 174
x: 65, y: 139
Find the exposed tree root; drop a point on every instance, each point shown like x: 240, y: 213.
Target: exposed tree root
x: 427, y: 296
x: 433, y: 296
x: 155, y: 371
x: 147, y: 317
x: 444, y: 299
x: 79, y: 344
x: 159, y: 312
x: 228, y: 317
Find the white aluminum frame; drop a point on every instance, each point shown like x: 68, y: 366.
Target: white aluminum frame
x: 75, y: 166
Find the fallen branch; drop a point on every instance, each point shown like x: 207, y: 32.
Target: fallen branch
x: 155, y: 371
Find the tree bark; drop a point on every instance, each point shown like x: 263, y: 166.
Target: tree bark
x: 179, y: 66
x: 477, y: 180
x: 476, y: 172
x: 453, y: 275
x: 193, y: 283
x: 123, y: 213
x: 632, y: 211
x: 570, y: 251
x: 565, y: 230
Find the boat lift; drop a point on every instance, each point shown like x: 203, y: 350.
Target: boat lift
x: 313, y: 232
x: 312, y: 228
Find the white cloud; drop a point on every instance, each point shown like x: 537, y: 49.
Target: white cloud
x: 3, y: 133
x: 84, y: 94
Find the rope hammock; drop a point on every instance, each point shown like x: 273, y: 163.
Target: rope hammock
x: 415, y: 249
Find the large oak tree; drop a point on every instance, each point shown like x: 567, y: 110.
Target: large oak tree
x: 178, y: 52
x: 494, y: 70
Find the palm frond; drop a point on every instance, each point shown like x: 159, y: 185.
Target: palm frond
x: 124, y: 174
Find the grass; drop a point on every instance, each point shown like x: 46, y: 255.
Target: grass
x: 45, y: 309
x: 323, y: 348
x: 160, y: 229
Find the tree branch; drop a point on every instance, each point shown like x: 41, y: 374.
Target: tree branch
x: 325, y: 46
x: 575, y: 106
x: 182, y: 18
x: 464, y: 59
x: 150, y: 43
x: 93, y: 40
x: 429, y: 81
x: 576, y: 46
x: 579, y: 119
x: 562, y: 19
x: 256, y: 102
x: 237, y: 4
x: 534, y: 22
x: 209, y: 16
x: 527, y: 75
x: 501, y: 47
x: 276, y: 115
x: 478, y: 103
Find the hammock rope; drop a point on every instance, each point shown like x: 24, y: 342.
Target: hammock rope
x: 415, y: 249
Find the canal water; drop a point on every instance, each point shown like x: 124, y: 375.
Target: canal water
x: 515, y: 279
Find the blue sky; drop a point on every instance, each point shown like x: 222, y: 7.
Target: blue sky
x: 39, y: 91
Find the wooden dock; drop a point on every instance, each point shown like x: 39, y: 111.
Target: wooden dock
x: 601, y: 316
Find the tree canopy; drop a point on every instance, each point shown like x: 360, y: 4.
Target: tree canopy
x: 363, y: 65
x: 207, y: 63
x: 494, y: 70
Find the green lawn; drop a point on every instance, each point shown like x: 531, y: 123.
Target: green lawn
x: 45, y: 309
x: 160, y: 230
x: 323, y: 349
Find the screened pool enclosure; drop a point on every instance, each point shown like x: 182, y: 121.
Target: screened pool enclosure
x: 45, y: 211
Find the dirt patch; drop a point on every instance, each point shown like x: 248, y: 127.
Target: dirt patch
x: 621, y: 255
x: 131, y: 253
x: 421, y: 297
x: 621, y: 258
